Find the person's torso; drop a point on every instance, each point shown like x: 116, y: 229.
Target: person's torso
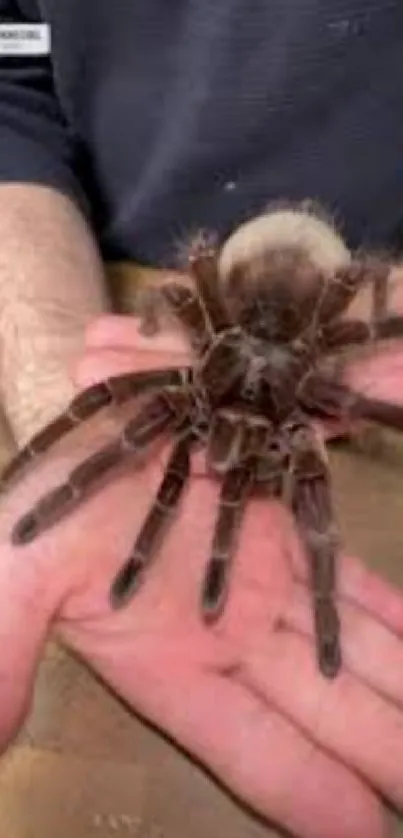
x: 197, y: 113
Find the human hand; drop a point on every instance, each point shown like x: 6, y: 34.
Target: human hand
x: 245, y: 697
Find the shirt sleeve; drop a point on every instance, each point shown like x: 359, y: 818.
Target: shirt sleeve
x: 36, y: 143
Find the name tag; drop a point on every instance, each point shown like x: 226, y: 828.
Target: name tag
x: 24, y: 39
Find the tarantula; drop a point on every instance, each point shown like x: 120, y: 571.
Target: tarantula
x: 264, y: 316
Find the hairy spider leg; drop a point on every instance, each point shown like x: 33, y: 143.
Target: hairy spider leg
x: 234, y: 493
x: 202, y: 311
x: 312, y: 507
x: 325, y: 397
x: 234, y: 445
x: 330, y: 398
x: 341, y: 289
x: 190, y: 312
x: 165, y: 410
x: 347, y: 333
x: 131, y: 575
x: 376, y: 410
x: 221, y: 361
x: 148, y: 309
x: 203, y: 264
x: 115, y: 390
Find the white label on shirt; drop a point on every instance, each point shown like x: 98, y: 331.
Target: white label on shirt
x: 24, y: 39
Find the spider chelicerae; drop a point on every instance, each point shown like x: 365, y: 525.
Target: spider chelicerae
x: 265, y: 317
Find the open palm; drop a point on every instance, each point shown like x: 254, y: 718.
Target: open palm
x: 245, y: 697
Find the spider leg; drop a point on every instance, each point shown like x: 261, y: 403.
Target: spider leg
x: 203, y: 262
x: 189, y: 310
x: 223, y: 367
x: 161, y: 412
x: 115, y: 390
x: 341, y: 289
x: 235, y: 442
x: 130, y: 576
x: 311, y: 503
x: 375, y: 410
x: 330, y: 398
x: 325, y: 397
x: 346, y: 333
x: 380, y: 295
x: 148, y: 309
x: 234, y: 492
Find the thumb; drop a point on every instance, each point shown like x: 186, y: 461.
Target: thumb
x: 24, y: 623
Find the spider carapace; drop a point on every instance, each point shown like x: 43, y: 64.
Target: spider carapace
x: 265, y: 314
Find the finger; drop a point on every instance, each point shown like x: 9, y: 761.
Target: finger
x: 367, y: 589
x: 255, y: 752
x: 103, y: 363
x: 123, y: 332
x: 375, y: 372
x: 354, y: 582
x: 371, y: 650
x: 361, y: 305
x: 342, y: 715
x: 378, y: 375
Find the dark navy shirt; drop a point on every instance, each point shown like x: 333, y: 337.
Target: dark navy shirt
x: 161, y: 116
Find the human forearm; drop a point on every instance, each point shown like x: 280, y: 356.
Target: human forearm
x: 51, y: 285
